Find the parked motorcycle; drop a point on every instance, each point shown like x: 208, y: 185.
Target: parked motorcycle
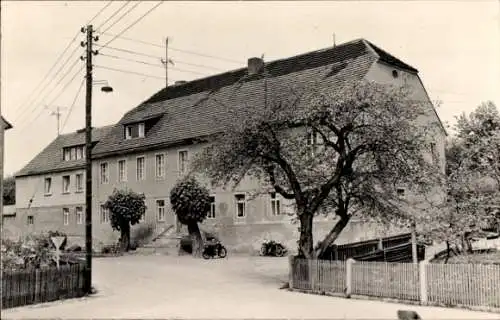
x: 273, y: 248
x: 214, y: 249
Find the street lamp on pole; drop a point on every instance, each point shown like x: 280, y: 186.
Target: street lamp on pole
x: 88, y: 155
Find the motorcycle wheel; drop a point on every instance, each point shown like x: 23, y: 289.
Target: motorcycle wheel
x: 222, y: 252
x: 205, y: 255
x: 263, y: 251
x: 279, y: 251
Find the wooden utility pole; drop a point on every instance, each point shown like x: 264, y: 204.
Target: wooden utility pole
x: 88, y: 160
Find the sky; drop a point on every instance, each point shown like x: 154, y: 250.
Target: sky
x: 455, y: 45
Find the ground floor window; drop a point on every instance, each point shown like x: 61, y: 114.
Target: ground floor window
x: 65, y: 216
x: 31, y: 220
x: 160, y: 210
x: 240, y: 205
x: 79, y: 215
x: 211, y: 213
x: 104, y: 213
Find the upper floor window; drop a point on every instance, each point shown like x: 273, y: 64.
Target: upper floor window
x: 401, y: 192
x: 240, y: 205
x: 48, y: 186
x: 122, y: 170
x: 31, y: 220
x: 183, y: 161
x: 104, y: 172
x: 136, y: 130
x: 140, y: 168
x: 314, y: 142
x: 211, y: 213
x: 73, y: 153
x: 275, y: 204
x: 65, y: 184
x: 160, y: 165
x: 79, y: 182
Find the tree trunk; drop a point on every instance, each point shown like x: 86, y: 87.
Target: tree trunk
x: 196, y: 240
x: 448, y: 252
x: 306, y: 249
x: 331, y: 236
x: 125, y: 237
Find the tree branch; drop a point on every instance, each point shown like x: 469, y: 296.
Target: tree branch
x: 279, y: 189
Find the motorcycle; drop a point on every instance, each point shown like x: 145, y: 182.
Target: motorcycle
x: 214, y: 249
x: 273, y: 248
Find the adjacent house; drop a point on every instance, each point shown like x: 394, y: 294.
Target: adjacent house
x: 151, y: 146
x: 4, y: 125
x: 50, y: 188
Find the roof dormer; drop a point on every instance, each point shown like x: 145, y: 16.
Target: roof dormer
x: 135, y: 130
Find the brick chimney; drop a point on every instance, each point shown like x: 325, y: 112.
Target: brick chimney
x: 255, y: 65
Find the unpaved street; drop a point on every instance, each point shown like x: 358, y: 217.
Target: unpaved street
x: 237, y: 287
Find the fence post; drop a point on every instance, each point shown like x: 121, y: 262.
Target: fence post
x: 348, y: 277
x: 291, y: 270
x: 311, y: 274
x: 423, y: 281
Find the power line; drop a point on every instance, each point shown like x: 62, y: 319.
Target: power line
x: 55, y: 98
x: 171, y: 48
x: 73, y: 104
x: 99, y: 12
x: 133, y: 24
x: 130, y: 72
x: 122, y: 16
x: 131, y: 60
x: 130, y: 51
x: 48, y: 73
x: 53, y: 88
x: 114, y: 14
x: 152, y: 64
x: 30, y: 96
x: 159, y: 58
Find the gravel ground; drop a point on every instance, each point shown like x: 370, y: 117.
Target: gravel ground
x: 235, y: 287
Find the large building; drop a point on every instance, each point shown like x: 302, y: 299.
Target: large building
x: 50, y: 188
x: 149, y: 149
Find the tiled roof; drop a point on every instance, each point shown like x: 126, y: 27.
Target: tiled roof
x: 198, y: 108
x: 50, y: 159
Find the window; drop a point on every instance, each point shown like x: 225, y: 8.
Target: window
x: 160, y: 165
x: 65, y: 184
x: 31, y: 220
x: 275, y: 204
x: 65, y: 216
x: 433, y: 151
x: 211, y: 213
x: 104, y: 214
x: 160, y: 210
x: 79, y: 182
x: 313, y: 142
x: 240, y: 205
x: 140, y: 168
x: 183, y: 159
x: 73, y: 153
x: 122, y: 170
x: 136, y: 130
x: 104, y: 174
x: 79, y: 215
x: 79, y: 152
x: 401, y: 193
x: 48, y: 186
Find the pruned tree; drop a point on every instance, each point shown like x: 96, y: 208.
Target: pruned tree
x: 127, y: 208
x: 191, y: 203
x: 343, y: 151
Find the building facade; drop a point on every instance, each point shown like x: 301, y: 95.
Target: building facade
x: 151, y: 146
x: 50, y: 189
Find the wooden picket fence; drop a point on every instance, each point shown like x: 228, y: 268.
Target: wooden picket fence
x: 27, y: 287
x: 468, y: 285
